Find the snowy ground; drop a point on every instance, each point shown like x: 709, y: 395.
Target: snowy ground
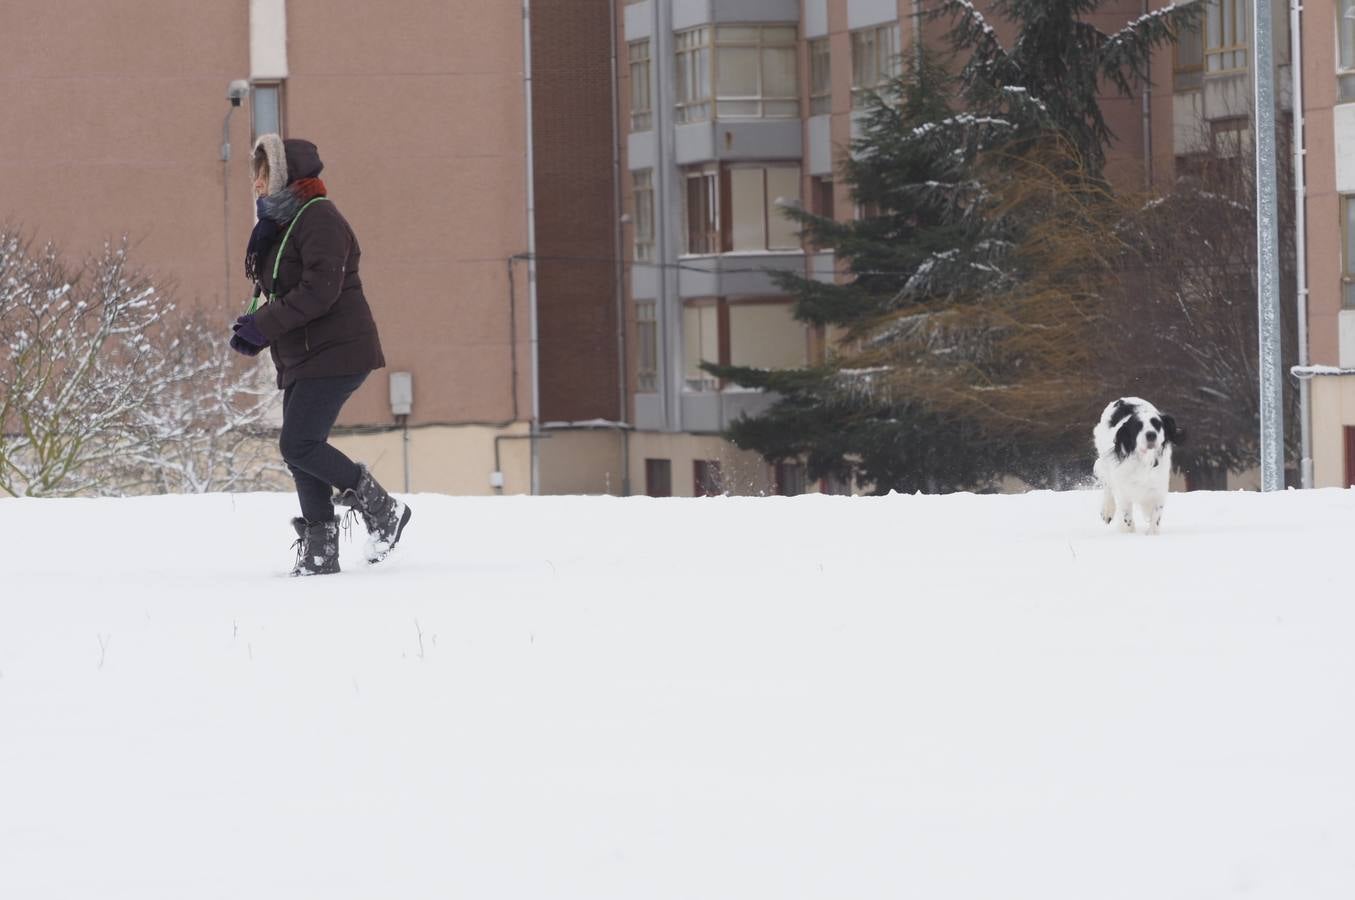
x: 941, y: 698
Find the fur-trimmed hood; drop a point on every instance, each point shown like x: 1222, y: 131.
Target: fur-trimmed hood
x: 288, y: 161
x: 271, y: 148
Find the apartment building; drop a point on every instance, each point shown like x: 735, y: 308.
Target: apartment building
x: 734, y: 109
x: 1329, y: 126
x: 469, y: 143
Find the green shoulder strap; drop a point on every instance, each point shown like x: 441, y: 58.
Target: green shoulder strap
x: 254, y: 303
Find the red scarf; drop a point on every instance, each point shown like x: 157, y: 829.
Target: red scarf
x: 307, y: 189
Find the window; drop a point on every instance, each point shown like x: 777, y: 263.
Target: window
x: 701, y: 342
x: 265, y: 108
x: 790, y: 479
x: 659, y: 477
x: 706, y: 478
x: 1226, y: 36
x: 1348, y: 251
x: 701, y: 210
x: 821, y: 78
x: 875, y: 60
x: 692, y: 75
x: 821, y: 197
x: 647, y: 347
x: 1232, y: 137
x: 1350, y: 456
x: 758, y: 198
x: 1345, y: 62
x: 1188, y: 60
x: 756, y: 72
x: 641, y: 118
x: 642, y: 190
x: 765, y: 335
x: 741, y: 208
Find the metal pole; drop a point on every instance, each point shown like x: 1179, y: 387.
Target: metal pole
x: 1301, y: 241
x: 1267, y: 253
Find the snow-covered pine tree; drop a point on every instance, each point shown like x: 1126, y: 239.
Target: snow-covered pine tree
x: 958, y: 355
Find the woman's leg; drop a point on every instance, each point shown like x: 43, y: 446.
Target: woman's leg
x: 310, y: 407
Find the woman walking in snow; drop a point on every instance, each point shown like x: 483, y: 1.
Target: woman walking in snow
x: 310, y: 310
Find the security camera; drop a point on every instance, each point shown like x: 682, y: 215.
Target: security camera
x: 238, y: 91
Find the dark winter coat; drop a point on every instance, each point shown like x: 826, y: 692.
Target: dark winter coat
x: 318, y: 322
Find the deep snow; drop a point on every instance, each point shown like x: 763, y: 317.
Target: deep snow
x: 942, y: 698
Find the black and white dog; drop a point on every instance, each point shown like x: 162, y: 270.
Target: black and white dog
x: 1134, y: 460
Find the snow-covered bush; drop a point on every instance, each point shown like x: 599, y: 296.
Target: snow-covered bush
x: 107, y: 388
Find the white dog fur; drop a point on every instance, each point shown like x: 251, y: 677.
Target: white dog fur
x: 1134, y: 461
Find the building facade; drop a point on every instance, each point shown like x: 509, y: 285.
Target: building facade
x: 566, y: 206
x: 734, y: 109
x: 470, y: 145
x: 1328, y: 76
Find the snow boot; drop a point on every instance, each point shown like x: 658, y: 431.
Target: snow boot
x: 384, y: 516
x: 317, y: 546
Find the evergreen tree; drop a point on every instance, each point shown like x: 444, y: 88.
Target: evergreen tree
x: 961, y: 334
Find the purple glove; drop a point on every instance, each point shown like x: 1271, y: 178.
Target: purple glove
x: 247, y: 331
x: 244, y: 347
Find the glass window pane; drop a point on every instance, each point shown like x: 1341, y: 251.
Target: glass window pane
x: 738, y: 71
x: 1345, y: 28
x: 780, y: 72
x: 783, y: 189
x: 700, y: 342
x: 766, y: 336
x: 748, y: 229
x: 746, y: 109
x: 742, y: 34
x: 701, y: 74
x: 263, y: 104
x: 1349, y: 208
x: 780, y: 34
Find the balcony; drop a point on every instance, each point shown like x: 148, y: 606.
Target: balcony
x: 735, y: 274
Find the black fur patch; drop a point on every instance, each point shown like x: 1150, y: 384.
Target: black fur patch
x: 1175, y: 434
x: 1126, y: 437
x: 1121, y: 410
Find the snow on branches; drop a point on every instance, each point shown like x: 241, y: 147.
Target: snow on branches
x: 105, y: 388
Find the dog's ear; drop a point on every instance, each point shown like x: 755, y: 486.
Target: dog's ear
x: 1126, y: 436
x: 1174, y: 434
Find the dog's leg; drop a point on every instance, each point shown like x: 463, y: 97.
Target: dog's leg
x: 1155, y: 517
x: 1126, y: 506
x: 1107, y: 505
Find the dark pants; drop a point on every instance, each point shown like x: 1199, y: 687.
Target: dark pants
x: 310, y: 407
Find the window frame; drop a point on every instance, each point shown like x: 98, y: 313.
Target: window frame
x: 641, y: 85
x: 768, y: 203
x: 886, y: 62
x: 701, y: 238
x: 692, y: 71
x: 707, y: 478
x: 790, y: 101
x: 716, y: 237
x: 1235, y: 44
x: 1345, y: 67
x: 658, y: 477
x: 642, y: 200
x: 820, y: 76
x: 646, y: 347
x: 1347, y: 251
x: 1188, y: 76
x: 278, y: 85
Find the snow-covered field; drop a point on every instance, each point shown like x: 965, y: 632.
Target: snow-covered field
x: 941, y: 698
